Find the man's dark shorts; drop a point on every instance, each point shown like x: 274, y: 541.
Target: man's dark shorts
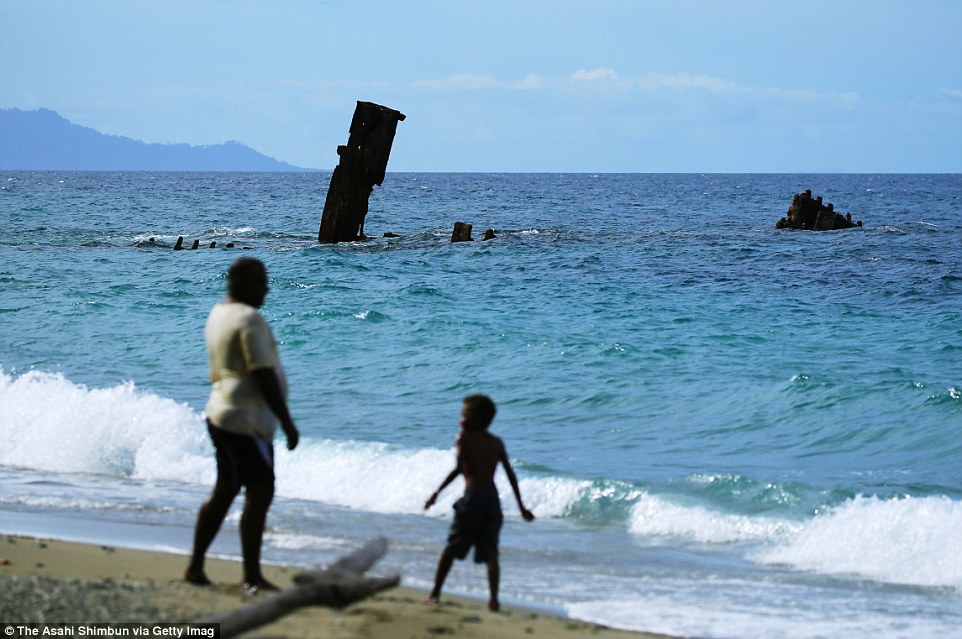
x: 477, y: 522
x: 242, y: 460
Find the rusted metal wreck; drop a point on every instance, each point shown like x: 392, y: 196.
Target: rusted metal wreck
x: 362, y: 164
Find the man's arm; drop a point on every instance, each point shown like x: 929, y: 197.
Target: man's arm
x: 513, y: 480
x: 270, y: 388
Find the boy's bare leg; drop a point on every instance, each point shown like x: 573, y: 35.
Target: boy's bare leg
x: 494, y: 579
x: 444, y: 567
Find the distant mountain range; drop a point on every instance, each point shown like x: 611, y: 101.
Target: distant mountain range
x: 43, y: 140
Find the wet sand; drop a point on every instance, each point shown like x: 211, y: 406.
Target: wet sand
x: 57, y: 582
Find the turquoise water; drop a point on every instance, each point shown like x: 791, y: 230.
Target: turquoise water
x: 725, y: 430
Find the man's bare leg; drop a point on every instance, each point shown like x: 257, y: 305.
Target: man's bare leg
x: 209, y: 520
x: 253, y: 520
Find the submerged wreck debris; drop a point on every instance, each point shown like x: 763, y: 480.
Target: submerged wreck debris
x: 362, y: 164
x: 179, y: 245
x: 462, y: 232
x: 811, y: 215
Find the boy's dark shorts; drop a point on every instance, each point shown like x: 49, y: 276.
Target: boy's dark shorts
x: 477, y: 522
x: 242, y: 460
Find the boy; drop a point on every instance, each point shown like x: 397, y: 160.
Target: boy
x: 477, y: 515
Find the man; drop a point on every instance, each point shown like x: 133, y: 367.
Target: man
x: 247, y: 400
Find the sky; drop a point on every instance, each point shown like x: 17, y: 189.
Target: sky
x: 720, y: 86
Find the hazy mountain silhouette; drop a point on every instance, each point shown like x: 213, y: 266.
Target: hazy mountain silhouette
x: 43, y: 140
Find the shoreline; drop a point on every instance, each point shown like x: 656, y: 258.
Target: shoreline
x: 49, y: 579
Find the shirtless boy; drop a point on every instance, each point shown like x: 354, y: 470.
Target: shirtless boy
x: 477, y: 515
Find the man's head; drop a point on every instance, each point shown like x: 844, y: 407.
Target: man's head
x: 477, y: 413
x: 247, y: 281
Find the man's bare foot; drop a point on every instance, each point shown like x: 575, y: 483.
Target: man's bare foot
x: 196, y: 578
x: 494, y: 606
x: 431, y: 600
x: 261, y: 585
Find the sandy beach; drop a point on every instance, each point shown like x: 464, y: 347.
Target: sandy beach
x: 50, y: 581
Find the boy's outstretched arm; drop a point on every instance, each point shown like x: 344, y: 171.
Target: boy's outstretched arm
x: 513, y: 480
x: 444, y: 484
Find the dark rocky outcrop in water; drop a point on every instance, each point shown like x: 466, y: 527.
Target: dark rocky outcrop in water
x: 810, y: 214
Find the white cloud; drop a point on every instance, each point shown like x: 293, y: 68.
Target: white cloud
x: 677, y: 84
x: 849, y: 97
x: 952, y: 93
x: 475, y: 82
x: 461, y: 82
x: 531, y: 82
x: 654, y: 81
x: 594, y: 75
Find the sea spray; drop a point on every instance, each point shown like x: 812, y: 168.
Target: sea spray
x: 662, y: 516
x: 51, y: 423
x: 912, y: 541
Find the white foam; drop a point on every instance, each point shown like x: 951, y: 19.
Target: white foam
x: 376, y: 477
x: 364, y: 475
x: 658, y: 517
x: 913, y: 541
x: 50, y: 423
x: 731, y: 609
x: 306, y: 542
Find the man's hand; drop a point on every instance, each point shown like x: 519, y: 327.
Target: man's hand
x: 293, y: 436
x: 430, y: 502
x: 526, y: 514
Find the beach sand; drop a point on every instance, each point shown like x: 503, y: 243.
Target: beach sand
x: 49, y: 581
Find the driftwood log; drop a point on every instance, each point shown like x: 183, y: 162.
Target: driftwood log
x: 336, y: 586
x: 362, y: 164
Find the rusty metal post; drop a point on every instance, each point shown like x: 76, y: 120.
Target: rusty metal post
x: 362, y: 164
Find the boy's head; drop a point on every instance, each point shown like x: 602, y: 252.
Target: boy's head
x: 478, y: 412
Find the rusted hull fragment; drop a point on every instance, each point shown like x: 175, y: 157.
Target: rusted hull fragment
x: 362, y: 164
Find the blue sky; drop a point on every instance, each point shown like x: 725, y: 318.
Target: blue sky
x: 594, y: 86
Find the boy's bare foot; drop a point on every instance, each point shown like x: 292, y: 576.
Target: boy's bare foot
x: 261, y: 585
x: 494, y: 606
x: 196, y: 578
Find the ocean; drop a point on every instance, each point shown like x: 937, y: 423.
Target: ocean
x: 725, y: 430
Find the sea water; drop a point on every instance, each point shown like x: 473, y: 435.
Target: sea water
x: 724, y: 429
